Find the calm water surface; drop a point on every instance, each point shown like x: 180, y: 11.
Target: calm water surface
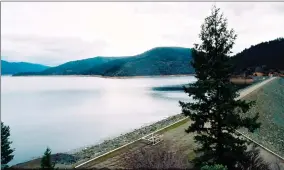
x: 66, y: 113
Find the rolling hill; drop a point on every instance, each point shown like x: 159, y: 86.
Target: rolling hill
x: 10, y: 68
x: 157, y: 61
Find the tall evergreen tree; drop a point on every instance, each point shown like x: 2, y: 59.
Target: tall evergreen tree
x: 6, y: 151
x: 46, y: 162
x: 215, y: 112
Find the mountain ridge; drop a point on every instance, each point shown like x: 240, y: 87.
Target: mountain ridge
x: 156, y: 61
x: 167, y: 61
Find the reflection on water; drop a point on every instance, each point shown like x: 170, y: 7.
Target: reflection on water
x: 65, y: 113
x: 179, y: 87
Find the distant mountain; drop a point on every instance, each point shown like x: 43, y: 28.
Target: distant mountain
x: 157, y: 61
x: 77, y: 67
x: 10, y: 68
x: 269, y: 54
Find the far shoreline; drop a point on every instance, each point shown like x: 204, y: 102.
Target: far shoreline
x: 235, y: 80
x: 109, y: 77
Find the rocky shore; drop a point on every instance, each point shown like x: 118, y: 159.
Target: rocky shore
x: 81, y: 155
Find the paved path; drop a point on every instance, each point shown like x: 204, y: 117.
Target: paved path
x: 177, y: 135
x: 247, y: 91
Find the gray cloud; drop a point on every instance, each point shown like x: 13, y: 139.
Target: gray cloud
x: 52, y: 33
x: 51, y: 50
x: 239, y: 9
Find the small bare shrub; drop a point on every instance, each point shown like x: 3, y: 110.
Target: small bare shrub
x: 161, y: 156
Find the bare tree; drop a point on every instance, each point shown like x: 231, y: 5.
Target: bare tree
x: 161, y: 156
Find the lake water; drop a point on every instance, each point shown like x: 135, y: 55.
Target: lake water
x: 66, y: 113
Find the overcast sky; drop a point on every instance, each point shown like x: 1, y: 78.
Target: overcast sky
x: 55, y: 32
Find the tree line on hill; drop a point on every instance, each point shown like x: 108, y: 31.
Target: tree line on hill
x: 267, y: 55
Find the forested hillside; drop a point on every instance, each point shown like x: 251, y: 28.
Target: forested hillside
x: 268, y: 54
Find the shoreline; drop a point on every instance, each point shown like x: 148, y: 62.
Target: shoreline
x: 110, y: 77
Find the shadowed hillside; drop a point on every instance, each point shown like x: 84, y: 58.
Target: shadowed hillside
x: 269, y: 54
